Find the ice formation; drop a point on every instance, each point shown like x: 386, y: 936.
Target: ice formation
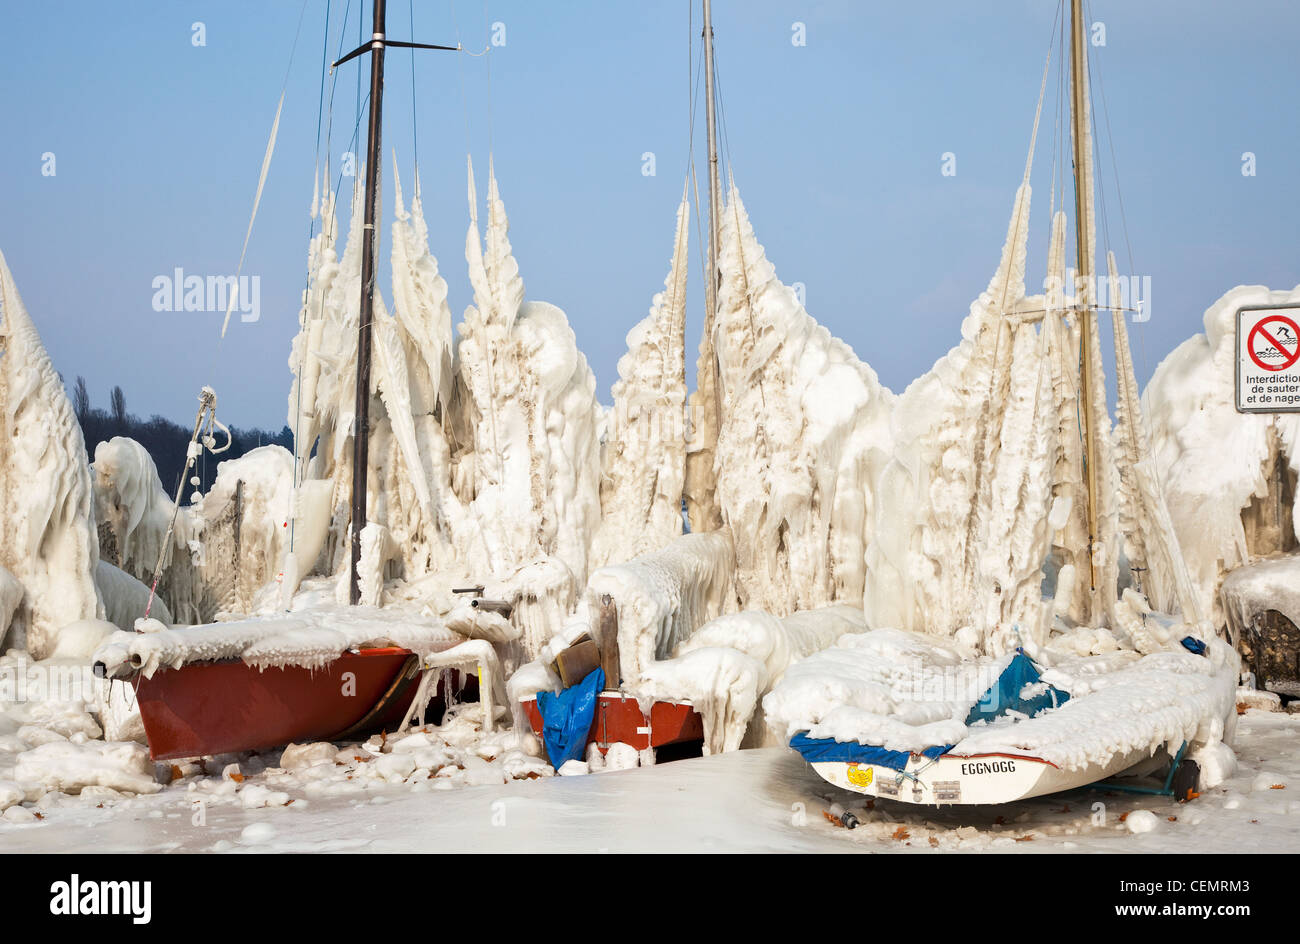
x: 484, y: 456
x: 804, y: 431
x: 1229, y: 477
x: 962, y: 520
x: 664, y: 596
x: 133, y: 514
x: 726, y: 667
x: 644, y: 460
x: 528, y: 415
x: 47, y: 536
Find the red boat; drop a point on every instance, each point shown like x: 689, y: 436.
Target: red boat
x: 206, y: 708
x: 619, y: 718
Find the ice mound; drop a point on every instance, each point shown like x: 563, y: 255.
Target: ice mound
x: 70, y: 767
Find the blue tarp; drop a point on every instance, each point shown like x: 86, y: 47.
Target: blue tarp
x: 567, y: 718
x: 851, y: 752
x: 1194, y: 645
x: 1003, y: 696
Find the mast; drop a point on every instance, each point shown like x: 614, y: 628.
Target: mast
x: 715, y: 190
x: 1083, y: 277
x: 361, y: 439
x: 701, y: 484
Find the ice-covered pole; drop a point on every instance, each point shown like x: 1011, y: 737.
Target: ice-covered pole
x: 1083, y: 235
x: 701, y: 479
x: 361, y: 440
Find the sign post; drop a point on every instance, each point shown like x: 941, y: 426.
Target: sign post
x: 1268, y: 359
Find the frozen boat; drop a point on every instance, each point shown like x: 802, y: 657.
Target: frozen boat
x: 902, y: 716
x: 620, y: 719
x: 263, y: 683
x: 207, y: 708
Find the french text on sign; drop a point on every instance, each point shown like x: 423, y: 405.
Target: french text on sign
x: 1268, y: 359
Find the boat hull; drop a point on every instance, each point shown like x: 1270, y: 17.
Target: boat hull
x: 206, y: 708
x: 970, y: 780
x: 619, y: 719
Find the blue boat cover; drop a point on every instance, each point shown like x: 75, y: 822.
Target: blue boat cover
x: 815, y: 750
x: 1003, y: 696
x: 567, y: 717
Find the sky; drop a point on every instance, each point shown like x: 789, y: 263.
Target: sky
x: 153, y: 118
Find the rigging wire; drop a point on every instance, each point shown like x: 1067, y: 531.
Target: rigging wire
x: 415, y: 115
x: 299, y: 460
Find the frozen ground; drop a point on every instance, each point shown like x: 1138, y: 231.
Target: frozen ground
x: 749, y: 801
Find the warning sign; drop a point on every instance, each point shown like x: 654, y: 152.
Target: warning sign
x: 1268, y: 359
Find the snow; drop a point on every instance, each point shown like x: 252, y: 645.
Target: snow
x: 747, y: 801
x: 47, y: 534
x: 310, y: 638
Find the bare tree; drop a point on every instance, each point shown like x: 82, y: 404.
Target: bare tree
x: 117, y: 406
x: 81, y: 398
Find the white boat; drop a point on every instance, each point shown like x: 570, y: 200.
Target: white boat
x: 970, y: 779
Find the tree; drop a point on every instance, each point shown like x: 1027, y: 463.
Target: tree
x: 81, y: 398
x: 117, y: 406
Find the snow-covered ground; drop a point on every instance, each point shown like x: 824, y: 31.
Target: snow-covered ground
x: 748, y: 801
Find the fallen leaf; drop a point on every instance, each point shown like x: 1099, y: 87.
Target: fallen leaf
x: 934, y: 842
x: 831, y: 819
x: 1064, y: 809
x: 39, y: 815
x: 238, y: 778
x: 1029, y: 838
x: 1191, y: 795
x: 1122, y: 817
x: 176, y: 773
x: 1278, y: 786
x: 1242, y: 707
x: 901, y: 833
x: 1173, y: 819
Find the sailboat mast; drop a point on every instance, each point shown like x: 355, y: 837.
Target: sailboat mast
x: 706, y: 407
x: 715, y: 190
x: 361, y: 439
x: 1083, y: 275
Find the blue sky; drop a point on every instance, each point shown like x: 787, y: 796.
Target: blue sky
x: 836, y: 145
